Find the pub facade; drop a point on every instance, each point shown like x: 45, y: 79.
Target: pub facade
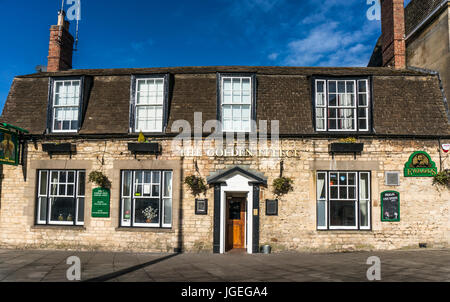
x: 113, y: 157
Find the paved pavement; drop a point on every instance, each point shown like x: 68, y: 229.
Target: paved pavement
x: 50, y: 266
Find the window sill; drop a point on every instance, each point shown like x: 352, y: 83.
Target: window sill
x: 59, y: 227
x: 145, y: 230
x: 350, y: 231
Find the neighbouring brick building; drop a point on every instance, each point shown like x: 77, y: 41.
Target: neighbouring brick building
x: 87, y: 120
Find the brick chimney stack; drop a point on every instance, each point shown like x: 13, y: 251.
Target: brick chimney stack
x: 60, y: 49
x: 393, y: 33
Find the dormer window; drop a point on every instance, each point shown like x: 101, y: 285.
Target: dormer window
x: 236, y: 103
x: 342, y: 105
x: 66, y: 105
x: 149, y: 104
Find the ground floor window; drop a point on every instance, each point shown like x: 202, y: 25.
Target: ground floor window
x: 146, y: 199
x: 343, y: 201
x: 60, y: 199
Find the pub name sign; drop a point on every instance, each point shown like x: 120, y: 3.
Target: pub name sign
x: 420, y: 165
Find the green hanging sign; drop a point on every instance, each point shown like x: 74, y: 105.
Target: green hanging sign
x: 100, y: 203
x: 420, y: 165
x: 9, y: 147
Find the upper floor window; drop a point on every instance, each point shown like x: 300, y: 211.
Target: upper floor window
x: 66, y: 105
x: 149, y: 106
x: 342, y: 105
x: 236, y: 103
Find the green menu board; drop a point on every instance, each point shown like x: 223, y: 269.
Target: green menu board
x: 100, y: 203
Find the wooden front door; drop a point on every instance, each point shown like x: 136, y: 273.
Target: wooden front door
x: 235, y: 224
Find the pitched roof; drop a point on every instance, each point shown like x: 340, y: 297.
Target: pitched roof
x: 405, y: 102
x: 417, y: 11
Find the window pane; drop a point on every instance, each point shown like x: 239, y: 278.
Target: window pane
x: 364, y: 213
x: 342, y: 213
x: 363, y: 124
x: 320, y: 87
x: 332, y: 100
x: 332, y: 86
x: 80, y: 210
x: 227, y: 84
x: 62, y: 209
x: 156, y: 177
x: 350, y: 87
x: 167, y: 211
x: 362, y: 86
x: 43, y: 209
x: 321, y: 213
x: 321, y: 186
x: 341, y: 86
x: 126, y: 184
x: 167, y: 184
x: 81, y: 183
x: 43, y: 183
x: 146, y: 211
x: 362, y: 100
x: 364, y: 186
x: 126, y: 210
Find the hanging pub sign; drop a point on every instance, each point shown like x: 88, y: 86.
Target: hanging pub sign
x: 9, y: 147
x: 390, y: 206
x: 420, y: 165
x: 100, y: 203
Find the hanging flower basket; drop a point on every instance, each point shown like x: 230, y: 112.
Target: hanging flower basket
x: 99, y: 179
x: 196, y: 185
x: 282, y: 186
x: 442, y: 178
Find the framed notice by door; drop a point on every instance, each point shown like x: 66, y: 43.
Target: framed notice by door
x: 390, y: 206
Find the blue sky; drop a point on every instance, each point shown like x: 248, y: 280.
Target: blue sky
x: 137, y: 33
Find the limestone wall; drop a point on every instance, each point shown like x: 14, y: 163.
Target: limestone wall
x: 425, y: 209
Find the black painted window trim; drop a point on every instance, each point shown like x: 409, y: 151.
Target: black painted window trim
x: 347, y: 78
x: 220, y: 76
x: 82, y: 106
x: 132, y: 112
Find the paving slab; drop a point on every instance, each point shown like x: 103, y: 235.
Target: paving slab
x: 396, y: 266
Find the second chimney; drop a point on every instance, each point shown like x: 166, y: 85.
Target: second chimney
x: 60, y: 48
x: 393, y: 33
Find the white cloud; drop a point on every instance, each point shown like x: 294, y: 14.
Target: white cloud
x: 323, y: 43
x: 273, y: 56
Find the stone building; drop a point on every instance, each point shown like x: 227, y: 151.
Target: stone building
x: 417, y: 35
x: 345, y: 196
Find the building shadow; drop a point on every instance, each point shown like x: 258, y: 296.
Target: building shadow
x: 126, y: 271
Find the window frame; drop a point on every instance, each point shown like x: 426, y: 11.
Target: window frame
x: 253, y: 103
x: 51, y: 107
x: 49, y: 196
x: 161, y: 197
x: 368, y: 107
x: 358, y: 200
x: 133, y: 102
